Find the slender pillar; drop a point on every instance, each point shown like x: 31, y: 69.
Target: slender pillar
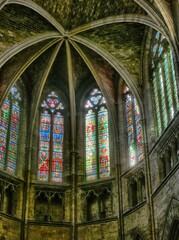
x: 73, y: 139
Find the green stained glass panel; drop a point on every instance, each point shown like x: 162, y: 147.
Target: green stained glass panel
x: 162, y: 97
x: 103, y: 136
x: 156, y: 104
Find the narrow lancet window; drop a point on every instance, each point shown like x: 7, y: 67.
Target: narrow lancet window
x: 134, y: 128
x: 51, y: 135
x: 97, y: 137
x: 164, y: 87
x: 9, y: 131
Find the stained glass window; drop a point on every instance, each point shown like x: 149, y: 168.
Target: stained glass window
x: 51, y: 135
x: 9, y: 131
x: 97, y: 137
x: 164, y: 86
x: 134, y: 128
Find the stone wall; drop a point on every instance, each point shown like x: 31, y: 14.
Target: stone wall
x: 42, y: 232
x: 137, y: 221
x: 98, y: 231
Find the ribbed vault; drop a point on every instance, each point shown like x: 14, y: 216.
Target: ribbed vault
x: 73, y: 40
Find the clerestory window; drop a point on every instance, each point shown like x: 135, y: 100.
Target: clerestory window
x: 97, y: 137
x: 51, y: 138
x: 164, y: 87
x: 134, y: 128
x: 9, y: 131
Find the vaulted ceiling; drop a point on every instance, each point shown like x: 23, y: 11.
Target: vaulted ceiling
x: 72, y: 43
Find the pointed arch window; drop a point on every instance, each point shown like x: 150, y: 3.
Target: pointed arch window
x: 164, y: 87
x: 97, y: 137
x: 51, y: 135
x: 9, y: 131
x: 134, y: 128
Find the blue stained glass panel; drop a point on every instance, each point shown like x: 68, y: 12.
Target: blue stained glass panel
x: 44, y: 146
x: 57, y: 159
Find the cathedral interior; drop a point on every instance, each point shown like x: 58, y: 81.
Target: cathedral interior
x: 89, y: 120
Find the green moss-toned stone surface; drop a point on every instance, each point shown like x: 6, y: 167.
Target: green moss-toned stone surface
x: 18, y: 23
x: 75, y: 13
x: 48, y: 232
